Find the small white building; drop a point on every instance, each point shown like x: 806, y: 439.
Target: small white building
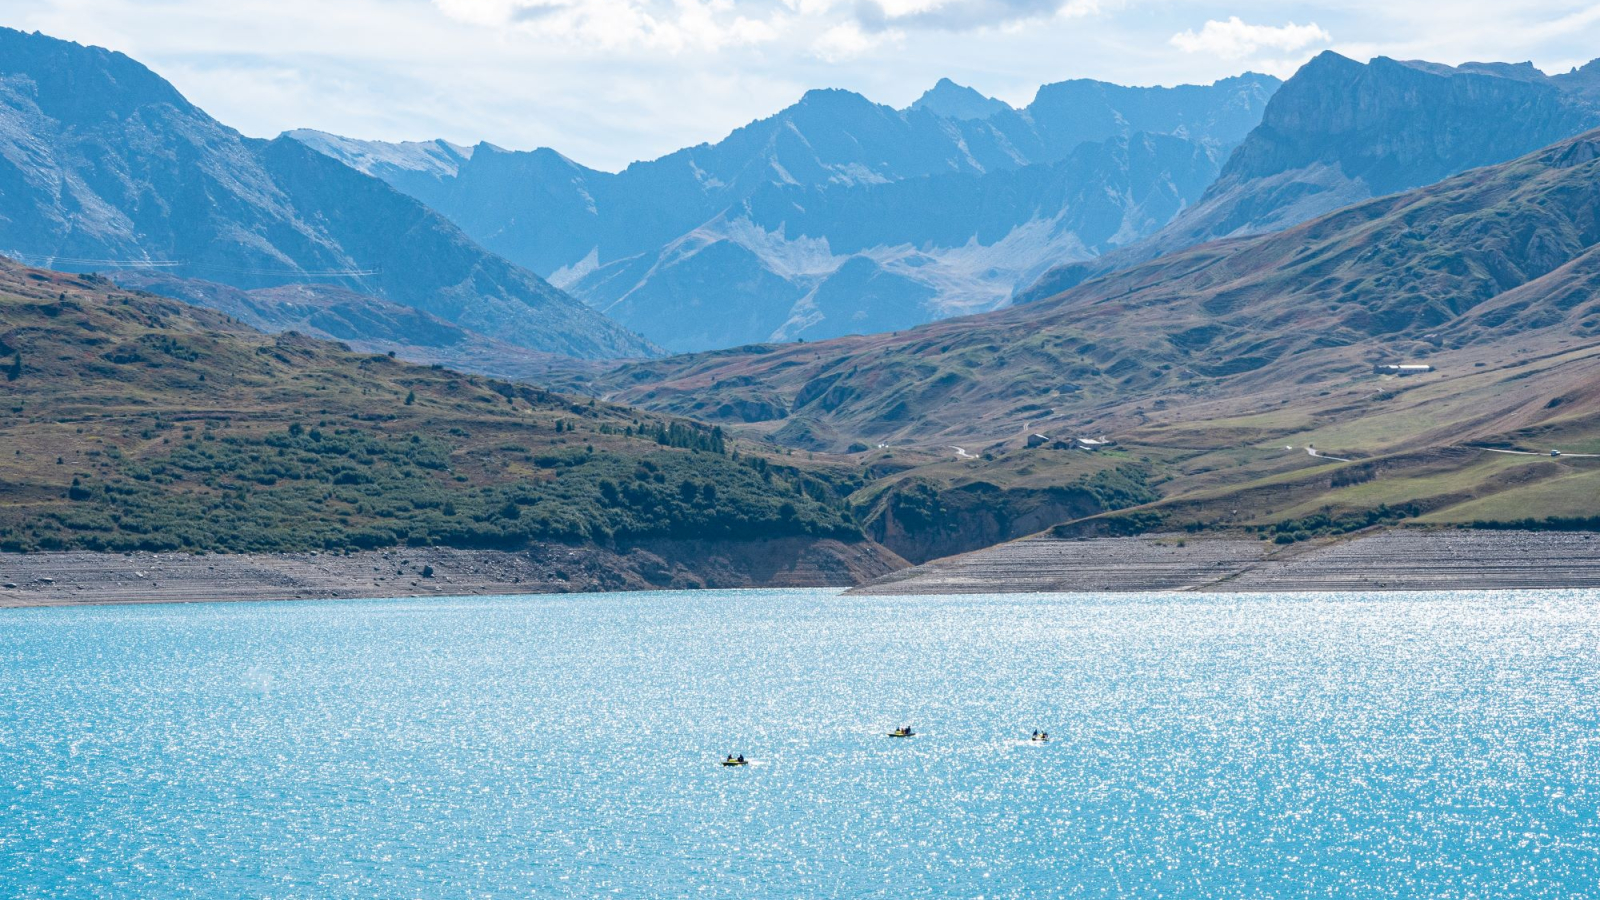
x: 1401, y: 369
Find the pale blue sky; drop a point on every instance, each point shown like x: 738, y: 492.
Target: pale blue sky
x: 609, y: 81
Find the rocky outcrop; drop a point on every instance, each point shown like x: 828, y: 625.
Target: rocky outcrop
x: 921, y: 522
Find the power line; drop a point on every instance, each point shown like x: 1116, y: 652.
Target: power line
x: 49, y: 260
x: 286, y: 273
x: 80, y: 261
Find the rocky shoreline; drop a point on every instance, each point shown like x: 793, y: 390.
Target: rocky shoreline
x: 86, y: 578
x: 1394, y: 560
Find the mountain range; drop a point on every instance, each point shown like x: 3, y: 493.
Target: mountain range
x: 1235, y: 380
x: 840, y: 216
x: 1493, y: 255
x: 362, y: 322
x: 1240, y: 260
x: 1340, y: 132
x: 947, y: 206
x: 834, y: 216
x: 104, y: 165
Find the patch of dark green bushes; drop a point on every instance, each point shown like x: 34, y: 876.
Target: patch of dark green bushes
x: 336, y: 489
x: 1548, y: 523
x: 1324, y: 524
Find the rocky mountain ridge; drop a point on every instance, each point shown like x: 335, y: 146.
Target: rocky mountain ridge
x: 1340, y: 132
x: 726, y: 243
x: 103, y: 164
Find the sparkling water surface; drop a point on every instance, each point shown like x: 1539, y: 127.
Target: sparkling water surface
x: 1336, y: 745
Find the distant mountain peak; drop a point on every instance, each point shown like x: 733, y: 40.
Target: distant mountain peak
x: 955, y: 101
x: 1248, y: 77
x: 1340, y: 132
x: 829, y: 97
x: 801, y: 223
x: 65, y: 70
x: 248, y: 212
x: 438, y: 157
x: 1331, y: 60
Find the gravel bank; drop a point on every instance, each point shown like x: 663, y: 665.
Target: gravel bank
x: 1396, y: 560
x: 64, y: 579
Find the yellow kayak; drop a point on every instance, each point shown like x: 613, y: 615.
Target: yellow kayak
x: 736, y: 762
x: 902, y: 732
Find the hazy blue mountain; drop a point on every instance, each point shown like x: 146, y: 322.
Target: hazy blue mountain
x: 955, y: 101
x: 363, y: 322
x: 419, y: 168
x: 724, y: 243
x: 1340, y: 132
x: 816, y: 262
x: 103, y: 163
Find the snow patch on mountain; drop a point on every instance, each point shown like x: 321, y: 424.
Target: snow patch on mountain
x: 805, y: 257
x: 439, y: 158
x: 570, y: 274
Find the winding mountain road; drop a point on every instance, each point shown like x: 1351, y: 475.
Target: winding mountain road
x: 1536, y: 453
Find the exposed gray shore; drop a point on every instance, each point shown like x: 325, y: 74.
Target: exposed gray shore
x: 84, y: 578
x: 1399, y: 560
x: 1396, y: 560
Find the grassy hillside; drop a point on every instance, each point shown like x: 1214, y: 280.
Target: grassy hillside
x: 135, y: 422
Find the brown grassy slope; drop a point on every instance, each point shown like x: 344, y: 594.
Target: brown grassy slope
x: 131, y: 421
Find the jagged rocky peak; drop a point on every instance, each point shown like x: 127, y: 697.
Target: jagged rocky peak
x: 1067, y: 113
x: 1342, y: 131
x: 822, y: 113
x: 63, y: 72
x: 1522, y: 71
x: 1582, y: 80
x: 769, y: 230
x: 830, y: 100
x: 955, y: 101
x: 1408, y: 123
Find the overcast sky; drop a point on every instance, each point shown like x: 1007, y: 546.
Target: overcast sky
x: 610, y: 81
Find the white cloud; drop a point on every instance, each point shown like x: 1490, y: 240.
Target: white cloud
x: 479, y: 12
x: 847, y: 41
x: 966, y: 15
x: 1236, y: 39
x: 899, y: 9
x: 611, y: 81
x: 673, y: 26
x: 840, y: 29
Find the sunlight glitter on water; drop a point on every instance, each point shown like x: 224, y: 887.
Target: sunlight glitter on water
x: 1427, y: 745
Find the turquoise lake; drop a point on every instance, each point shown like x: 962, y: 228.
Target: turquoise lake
x: 1339, y: 746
